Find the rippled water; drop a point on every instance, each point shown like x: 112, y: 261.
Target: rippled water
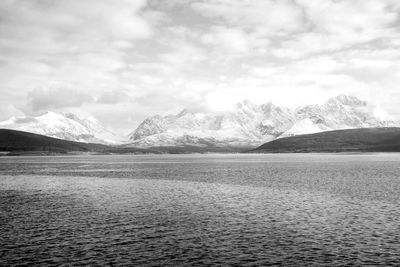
x: 201, y: 210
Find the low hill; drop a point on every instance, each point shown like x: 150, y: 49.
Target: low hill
x: 352, y: 140
x: 12, y: 140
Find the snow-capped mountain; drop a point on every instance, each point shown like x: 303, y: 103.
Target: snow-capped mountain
x: 64, y: 126
x: 246, y: 125
x: 250, y: 125
x: 340, y: 112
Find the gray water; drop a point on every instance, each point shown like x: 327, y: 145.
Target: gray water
x: 195, y: 210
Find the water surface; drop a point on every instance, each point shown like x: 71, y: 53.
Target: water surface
x: 285, y: 209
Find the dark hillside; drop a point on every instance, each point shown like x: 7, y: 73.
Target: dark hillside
x: 352, y: 140
x: 11, y: 140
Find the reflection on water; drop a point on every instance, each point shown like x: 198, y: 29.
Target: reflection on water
x: 201, y: 210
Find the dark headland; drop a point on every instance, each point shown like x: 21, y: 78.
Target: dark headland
x: 23, y: 143
x: 351, y: 140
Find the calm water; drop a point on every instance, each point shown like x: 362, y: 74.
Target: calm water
x: 194, y: 210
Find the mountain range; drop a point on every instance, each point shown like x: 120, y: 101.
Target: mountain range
x: 252, y: 125
x: 247, y: 125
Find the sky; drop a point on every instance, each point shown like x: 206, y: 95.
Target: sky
x: 124, y: 60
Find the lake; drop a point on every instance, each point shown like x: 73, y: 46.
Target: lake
x: 196, y: 210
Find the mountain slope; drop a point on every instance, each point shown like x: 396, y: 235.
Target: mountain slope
x: 64, y: 126
x: 19, y: 142
x: 247, y: 125
x: 11, y: 140
x: 362, y: 140
x: 340, y: 112
x: 251, y: 125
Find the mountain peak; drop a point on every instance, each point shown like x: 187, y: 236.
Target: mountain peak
x: 49, y: 113
x: 246, y: 104
x: 183, y: 112
x: 51, y: 116
x: 71, y: 116
x: 346, y: 100
x: 269, y: 106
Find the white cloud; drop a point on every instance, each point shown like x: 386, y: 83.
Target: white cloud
x: 334, y: 25
x: 231, y: 39
x: 78, y: 41
x: 267, y: 16
x: 132, y: 59
x: 56, y: 97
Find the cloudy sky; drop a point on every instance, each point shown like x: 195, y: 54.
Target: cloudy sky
x: 123, y: 61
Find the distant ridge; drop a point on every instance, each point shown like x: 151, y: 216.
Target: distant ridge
x: 351, y: 140
x: 245, y: 126
x: 12, y: 140
x: 250, y: 125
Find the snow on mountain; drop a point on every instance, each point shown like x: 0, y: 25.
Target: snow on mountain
x: 247, y: 125
x: 64, y: 126
x: 304, y: 126
x: 250, y: 125
x: 341, y: 112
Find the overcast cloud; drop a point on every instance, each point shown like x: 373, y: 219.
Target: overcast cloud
x: 122, y: 60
